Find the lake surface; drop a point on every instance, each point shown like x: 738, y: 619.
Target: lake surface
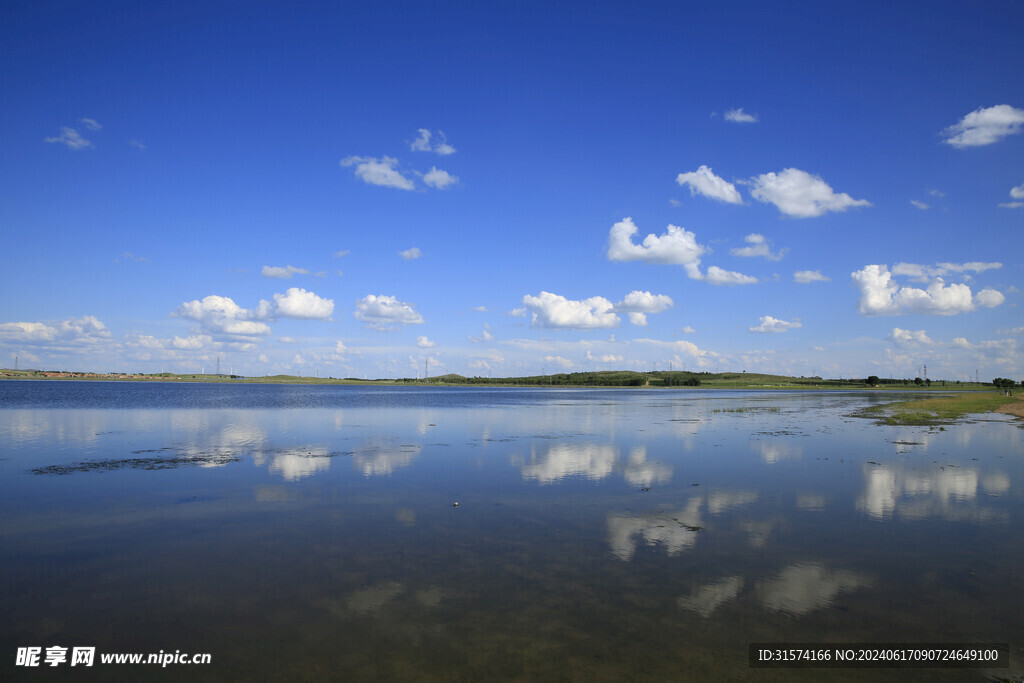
x: 311, y: 532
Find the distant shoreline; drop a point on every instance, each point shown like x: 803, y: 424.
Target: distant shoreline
x: 602, y: 379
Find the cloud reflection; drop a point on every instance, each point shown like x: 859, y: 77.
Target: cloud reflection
x: 559, y: 461
x: 382, y: 459
x: 677, y: 531
x: 639, y: 472
x: 803, y: 587
x: 948, y: 493
x: 295, y: 463
x: 772, y: 452
x: 709, y: 597
x: 721, y: 501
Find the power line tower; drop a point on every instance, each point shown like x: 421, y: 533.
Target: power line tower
x: 218, y: 366
x: 426, y: 368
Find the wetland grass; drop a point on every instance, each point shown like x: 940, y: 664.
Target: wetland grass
x: 937, y: 410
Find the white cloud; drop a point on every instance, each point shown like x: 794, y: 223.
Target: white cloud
x: 718, y: 276
x: 443, y: 148
x: 703, y: 181
x: 341, y: 253
x: 74, y: 334
x: 411, y: 253
x: 807, y: 276
x: 688, y: 330
x: 386, y: 312
x: 739, y: 116
x: 485, y: 335
x: 644, y: 302
x: 284, y: 272
x: 220, y: 314
x: 759, y: 246
x: 27, y: 332
x: 920, y: 205
x: 676, y: 246
x: 86, y: 328
x: 606, y: 358
x: 983, y: 126
x: 637, y: 304
x: 558, y: 360
x: 91, y: 124
x: 770, y: 324
x: 379, y: 172
x: 192, y: 343
x: 989, y: 298
x: 137, y: 144
x: 555, y: 311
x: 923, y: 273
x: 425, y: 343
x: 479, y: 309
x: 637, y: 318
x: 1016, y: 193
x: 71, y: 138
x: 908, y: 338
x: 439, y: 179
x: 300, y: 304
x: 422, y: 143
x: 800, y: 194
x: 129, y: 256
x: 881, y: 295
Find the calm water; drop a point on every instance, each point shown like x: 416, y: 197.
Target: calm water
x: 309, y: 532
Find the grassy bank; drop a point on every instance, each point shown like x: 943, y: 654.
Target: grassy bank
x: 937, y: 410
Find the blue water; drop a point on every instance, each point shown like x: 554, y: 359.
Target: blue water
x: 312, y: 532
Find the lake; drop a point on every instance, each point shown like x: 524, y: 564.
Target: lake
x: 409, y: 533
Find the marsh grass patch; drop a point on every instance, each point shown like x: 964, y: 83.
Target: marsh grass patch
x: 933, y: 411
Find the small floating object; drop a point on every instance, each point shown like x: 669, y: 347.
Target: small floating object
x: 645, y: 488
x: 455, y: 504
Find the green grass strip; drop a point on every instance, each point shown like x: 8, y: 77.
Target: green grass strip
x: 937, y: 410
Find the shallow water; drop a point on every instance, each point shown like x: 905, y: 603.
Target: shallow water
x: 311, y: 532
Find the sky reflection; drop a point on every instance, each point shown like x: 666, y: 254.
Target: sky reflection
x: 573, y: 513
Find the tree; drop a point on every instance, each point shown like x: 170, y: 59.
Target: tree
x: 918, y: 381
x: 873, y: 381
x: 1005, y: 384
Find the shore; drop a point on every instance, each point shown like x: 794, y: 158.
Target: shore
x: 1016, y: 408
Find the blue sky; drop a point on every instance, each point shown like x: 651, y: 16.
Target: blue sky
x: 510, y: 188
